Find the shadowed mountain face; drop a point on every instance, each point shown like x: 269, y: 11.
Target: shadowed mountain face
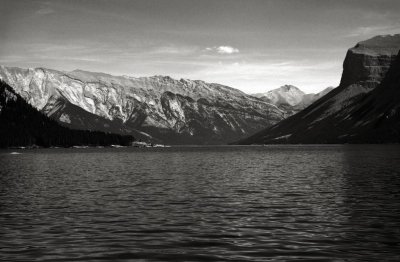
x: 363, y: 109
x: 290, y: 98
x: 156, y: 108
x: 23, y: 125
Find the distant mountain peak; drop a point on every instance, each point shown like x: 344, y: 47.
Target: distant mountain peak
x: 289, y: 87
x: 284, y: 95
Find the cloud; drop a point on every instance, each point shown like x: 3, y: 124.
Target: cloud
x: 254, y: 77
x: 45, y: 8
x: 374, y: 30
x: 173, y: 50
x: 227, y: 50
x: 45, y: 11
x: 223, y: 49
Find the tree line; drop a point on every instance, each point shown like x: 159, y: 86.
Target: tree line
x: 21, y: 125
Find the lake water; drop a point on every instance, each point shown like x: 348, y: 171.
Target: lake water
x: 272, y: 203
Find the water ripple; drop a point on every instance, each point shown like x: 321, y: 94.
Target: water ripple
x: 275, y: 203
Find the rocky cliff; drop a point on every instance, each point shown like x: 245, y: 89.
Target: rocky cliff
x: 355, y: 112
x: 367, y: 62
x: 155, y: 108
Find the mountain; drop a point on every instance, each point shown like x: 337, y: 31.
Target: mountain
x: 287, y: 94
x: 156, y: 108
x: 363, y: 109
x: 290, y: 98
x: 308, y: 99
x: 23, y: 125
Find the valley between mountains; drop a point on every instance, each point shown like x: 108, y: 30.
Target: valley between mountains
x: 365, y: 108
x: 160, y: 109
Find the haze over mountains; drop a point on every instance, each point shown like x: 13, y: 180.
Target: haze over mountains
x: 159, y: 108
x: 364, y: 108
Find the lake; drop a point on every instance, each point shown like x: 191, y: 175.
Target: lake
x: 228, y: 203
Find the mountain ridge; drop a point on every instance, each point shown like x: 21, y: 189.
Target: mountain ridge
x: 164, y: 109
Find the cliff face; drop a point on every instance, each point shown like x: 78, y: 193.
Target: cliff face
x: 344, y: 114
x: 376, y: 117
x: 158, y: 108
x: 367, y: 63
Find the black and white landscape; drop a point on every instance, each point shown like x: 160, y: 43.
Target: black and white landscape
x: 363, y: 109
x: 155, y: 108
x: 213, y: 130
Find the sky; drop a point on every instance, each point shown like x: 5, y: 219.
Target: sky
x: 252, y: 45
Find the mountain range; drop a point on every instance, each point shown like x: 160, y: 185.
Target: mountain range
x: 364, y: 108
x: 158, y: 108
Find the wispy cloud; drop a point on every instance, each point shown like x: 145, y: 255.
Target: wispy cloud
x: 45, y: 11
x: 223, y: 49
x: 173, y: 50
x: 253, y: 77
x: 374, y: 30
x: 44, y: 8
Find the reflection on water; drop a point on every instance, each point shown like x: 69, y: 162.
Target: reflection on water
x: 311, y: 203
